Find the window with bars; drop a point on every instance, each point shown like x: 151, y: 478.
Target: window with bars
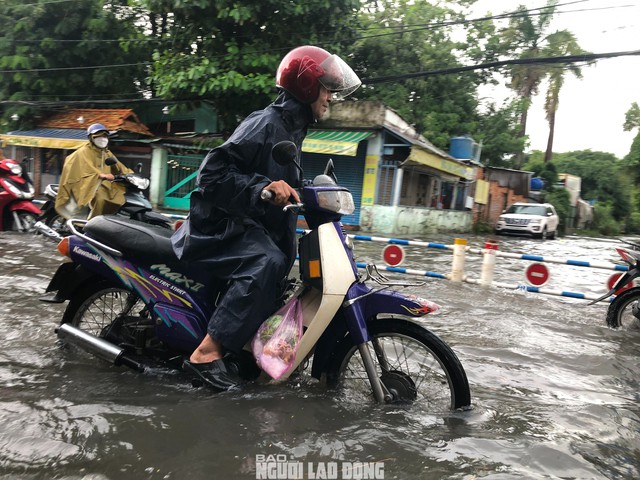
x: 385, y: 184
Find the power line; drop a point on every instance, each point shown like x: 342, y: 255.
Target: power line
x: 580, y: 59
x: 587, y: 57
x: 62, y: 69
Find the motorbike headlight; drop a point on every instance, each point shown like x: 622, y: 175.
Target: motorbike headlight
x: 15, y: 169
x: 339, y: 201
x: 138, y: 182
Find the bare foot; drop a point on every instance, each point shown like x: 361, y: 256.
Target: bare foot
x: 209, y: 350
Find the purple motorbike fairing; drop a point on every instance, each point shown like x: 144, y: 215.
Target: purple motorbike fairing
x: 180, y: 321
x: 363, y: 303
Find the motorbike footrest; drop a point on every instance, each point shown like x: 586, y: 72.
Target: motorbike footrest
x: 52, y: 298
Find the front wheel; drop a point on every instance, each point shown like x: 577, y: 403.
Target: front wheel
x: 57, y: 223
x: 414, y: 365
x: 623, y: 309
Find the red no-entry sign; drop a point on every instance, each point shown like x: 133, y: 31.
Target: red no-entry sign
x: 393, y: 255
x: 613, y: 279
x: 537, y: 274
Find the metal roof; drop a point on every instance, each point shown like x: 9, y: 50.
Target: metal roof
x: 66, y: 133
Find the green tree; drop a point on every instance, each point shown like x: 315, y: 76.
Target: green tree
x: 228, y: 51
x: 632, y: 120
x: 560, y: 43
x: 406, y: 37
x: 498, y: 134
x: 48, y: 51
x: 604, y: 178
x: 528, y: 36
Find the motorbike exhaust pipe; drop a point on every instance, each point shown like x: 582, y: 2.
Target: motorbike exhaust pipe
x: 47, y: 231
x: 97, y: 346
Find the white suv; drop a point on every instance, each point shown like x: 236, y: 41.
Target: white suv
x: 537, y: 219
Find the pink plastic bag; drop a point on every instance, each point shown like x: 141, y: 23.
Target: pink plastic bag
x: 275, y: 344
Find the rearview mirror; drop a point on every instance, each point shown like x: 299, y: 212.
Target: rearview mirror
x: 110, y: 161
x: 284, y: 152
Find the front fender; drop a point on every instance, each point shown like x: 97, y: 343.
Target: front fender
x: 375, y: 306
x: 24, y: 205
x: 389, y: 301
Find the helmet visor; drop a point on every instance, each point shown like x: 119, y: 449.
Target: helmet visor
x: 338, y: 77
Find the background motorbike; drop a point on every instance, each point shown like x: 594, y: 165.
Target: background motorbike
x: 132, y: 302
x: 624, y: 309
x: 136, y: 205
x: 16, y: 192
x: 49, y: 216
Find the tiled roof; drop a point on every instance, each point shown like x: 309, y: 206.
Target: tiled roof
x: 115, y: 119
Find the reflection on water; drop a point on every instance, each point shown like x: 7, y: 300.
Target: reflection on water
x: 555, y: 391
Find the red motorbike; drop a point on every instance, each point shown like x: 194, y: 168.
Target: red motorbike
x: 16, y: 192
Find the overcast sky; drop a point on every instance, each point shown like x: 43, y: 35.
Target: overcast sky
x: 591, y: 111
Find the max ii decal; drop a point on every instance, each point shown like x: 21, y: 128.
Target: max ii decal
x: 176, y: 277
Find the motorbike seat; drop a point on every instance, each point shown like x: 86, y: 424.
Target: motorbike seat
x: 133, y: 238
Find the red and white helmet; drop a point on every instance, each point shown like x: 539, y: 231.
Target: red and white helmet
x: 304, y: 69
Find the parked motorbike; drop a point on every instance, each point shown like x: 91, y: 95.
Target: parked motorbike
x: 16, y: 192
x: 132, y: 302
x: 136, y: 205
x: 624, y: 309
x: 49, y: 216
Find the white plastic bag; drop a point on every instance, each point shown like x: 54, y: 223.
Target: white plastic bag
x: 275, y: 344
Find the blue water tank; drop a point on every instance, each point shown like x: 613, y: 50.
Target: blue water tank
x: 461, y: 148
x: 537, y: 183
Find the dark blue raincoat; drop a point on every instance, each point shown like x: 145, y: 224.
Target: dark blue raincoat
x: 232, y: 233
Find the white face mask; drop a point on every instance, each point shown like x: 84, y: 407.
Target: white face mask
x: 101, y: 142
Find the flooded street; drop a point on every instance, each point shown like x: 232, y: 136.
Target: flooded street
x: 555, y: 392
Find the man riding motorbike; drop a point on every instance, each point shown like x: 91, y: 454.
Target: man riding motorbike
x: 242, y: 240
x: 86, y: 182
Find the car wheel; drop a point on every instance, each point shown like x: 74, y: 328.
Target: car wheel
x: 552, y: 235
x: 542, y: 235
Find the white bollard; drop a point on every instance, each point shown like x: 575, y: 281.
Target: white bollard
x: 457, y: 267
x: 488, y: 263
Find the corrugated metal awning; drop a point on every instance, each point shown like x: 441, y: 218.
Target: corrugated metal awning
x: 60, y: 138
x: 451, y: 167
x: 337, y: 142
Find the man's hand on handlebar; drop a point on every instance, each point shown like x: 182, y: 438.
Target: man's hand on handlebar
x: 107, y: 176
x: 283, y: 193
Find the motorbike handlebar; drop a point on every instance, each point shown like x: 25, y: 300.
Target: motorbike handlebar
x: 266, y: 195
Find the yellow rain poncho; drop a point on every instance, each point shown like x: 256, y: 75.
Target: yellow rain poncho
x: 82, y: 189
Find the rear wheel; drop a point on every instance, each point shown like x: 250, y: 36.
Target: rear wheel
x: 413, y: 364
x: 621, y: 310
x: 95, y: 308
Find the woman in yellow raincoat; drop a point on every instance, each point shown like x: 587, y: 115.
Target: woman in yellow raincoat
x: 86, y: 183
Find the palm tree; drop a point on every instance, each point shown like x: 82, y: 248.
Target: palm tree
x: 559, y: 44
x: 526, y: 35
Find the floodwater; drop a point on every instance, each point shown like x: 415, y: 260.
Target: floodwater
x: 555, y: 392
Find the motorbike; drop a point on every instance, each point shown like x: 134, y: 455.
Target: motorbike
x: 49, y: 216
x: 136, y: 205
x: 624, y: 309
x: 133, y: 303
x: 16, y: 192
